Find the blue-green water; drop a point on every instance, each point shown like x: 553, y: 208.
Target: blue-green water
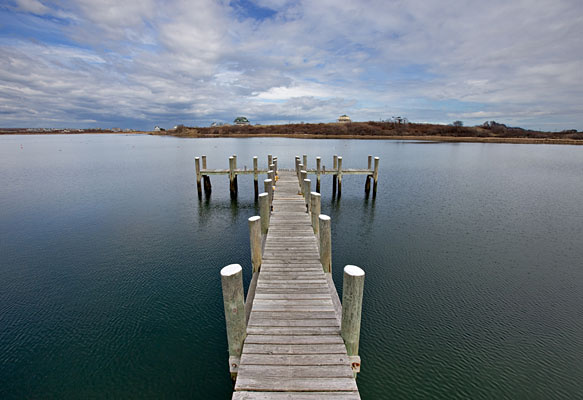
x: 109, y: 265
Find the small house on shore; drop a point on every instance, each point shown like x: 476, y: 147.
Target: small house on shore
x: 344, y: 118
x: 241, y: 121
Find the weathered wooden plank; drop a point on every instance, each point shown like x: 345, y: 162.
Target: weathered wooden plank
x: 294, y: 314
x: 244, y: 395
x: 257, y: 321
x: 296, y: 384
x: 298, y: 371
x: 294, y: 339
x: 294, y: 349
x: 294, y: 359
x: 292, y: 296
x: 304, y: 330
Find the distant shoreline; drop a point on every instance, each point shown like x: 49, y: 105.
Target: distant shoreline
x: 489, y: 133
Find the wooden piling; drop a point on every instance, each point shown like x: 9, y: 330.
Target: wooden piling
x: 307, y: 191
x: 305, y: 161
x: 303, y: 176
x: 264, y: 212
x: 234, y: 303
x: 369, y: 165
x: 275, y: 165
x: 375, y: 176
x: 334, y: 176
x: 352, y: 291
x: 325, y: 243
x: 268, y: 187
x: 203, y: 161
x: 315, y: 208
x: 232, y: 177
x: 269, y: 160
x: 272, y: 171
x: 255, y: 242
x: 197, y: 169
x: 255, y: 176
x: 339, y: 174
x: 318, y: 170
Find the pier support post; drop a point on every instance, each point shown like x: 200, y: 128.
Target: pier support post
x: 305, y: 161
x: 255, y: 242
x: 275, y: 165
x: 325, y: 243
x: 268, y: 187
x: 375, y: 176
x: 197, y: 169
x: 303, y: 175
x: 298, y: 166
x: 232, y: 177
x: 339, y: 176
x: 232, y: 284
x: 352, y: 291
x: 206, y: 180
x: 318, y: 171
x: 255, y: 184
x: 271, y: 175
x: 272, y: 171
x: 203, y: 157
x: 264, y: 212
x: 269, y: 160
x: 301, y: 167
x: 315, y: 208
x: 334, y: 176
x: 307, y: 191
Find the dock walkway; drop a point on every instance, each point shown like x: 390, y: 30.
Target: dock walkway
x: 293, y: 348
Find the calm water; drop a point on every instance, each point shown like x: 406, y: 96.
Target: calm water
x: 109, y: 266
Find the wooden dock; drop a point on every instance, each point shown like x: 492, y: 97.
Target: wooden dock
x: 293, y: 348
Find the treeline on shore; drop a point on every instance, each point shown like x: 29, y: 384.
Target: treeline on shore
x: 490, y: 129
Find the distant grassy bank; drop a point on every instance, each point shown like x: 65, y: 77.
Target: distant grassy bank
x: 491, y: 132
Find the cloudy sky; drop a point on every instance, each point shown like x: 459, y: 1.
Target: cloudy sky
x: 140, y: 63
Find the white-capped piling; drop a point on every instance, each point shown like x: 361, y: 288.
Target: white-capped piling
x: 334, y: 176
x: 315, y: 208
x: 375, y: 176
x: 255, y: 242
x: 303, y: 176
x: 198, y: 176
x: 268, y: 187
x: 352, y: 291
x: 325, y: 243
x: 264, y: 212
x: 305, y: 161
x: 234, y: 303
x: 339, y: 173
x: 318, y: 171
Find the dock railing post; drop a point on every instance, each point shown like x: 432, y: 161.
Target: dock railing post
x: 352, y: 291
x: 375, y: 176
x: 307, y: 191
x: 315, y: 208
x: 272, y: 176
x: 369, y: 165
x: 325, y: 243
x: 303, y: 176
x: 334, y: 175
x: 206, y: 180
x: 275, y: 165
x: 255, y: 184
x: 298, y: 166
x: 268, y: 187
x: 305, y: 161
x: 264, y: 212
x: 339, y: 172
x: 269, y: 160
x: 197, y: 169
x: 203, y: 161
x: 255, y: 242
x: 318, y: 171
x: 232, y: 284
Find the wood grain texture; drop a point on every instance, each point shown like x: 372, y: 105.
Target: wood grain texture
x: 293, y: 348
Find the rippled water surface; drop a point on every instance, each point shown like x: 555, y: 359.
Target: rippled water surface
x: 109, y: 265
